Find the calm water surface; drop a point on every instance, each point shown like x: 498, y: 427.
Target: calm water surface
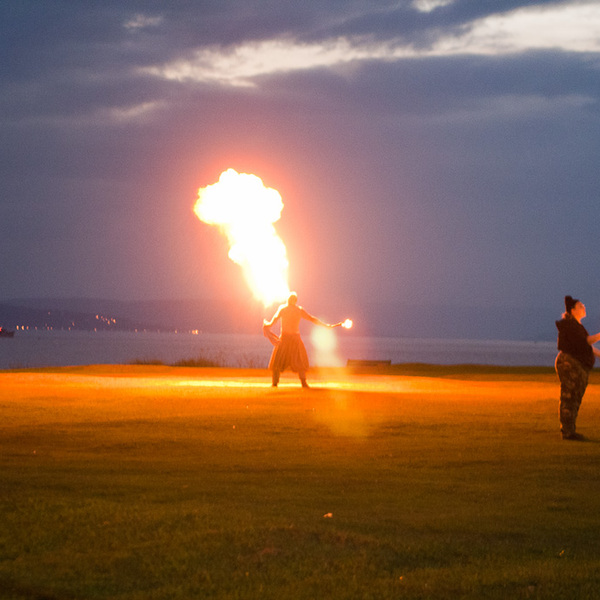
x: 64, y: 348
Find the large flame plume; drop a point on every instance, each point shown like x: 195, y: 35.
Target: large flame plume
x: 245, y: 211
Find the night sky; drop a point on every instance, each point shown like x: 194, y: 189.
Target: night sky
x: 427, y: 151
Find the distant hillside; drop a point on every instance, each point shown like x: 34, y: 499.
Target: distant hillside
x: 19, y: 316
x: 245, y: 316
x: 160, y: 315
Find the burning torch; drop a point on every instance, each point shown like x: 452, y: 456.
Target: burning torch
x: 347, y: 324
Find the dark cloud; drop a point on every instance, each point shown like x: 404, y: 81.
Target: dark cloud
x: 452, y: 179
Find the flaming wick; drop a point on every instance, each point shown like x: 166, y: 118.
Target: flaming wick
x: 347, y: 324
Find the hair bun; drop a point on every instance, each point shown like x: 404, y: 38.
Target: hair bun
x: 570, y: 302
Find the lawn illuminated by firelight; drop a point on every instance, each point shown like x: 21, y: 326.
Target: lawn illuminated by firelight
x: 155, y: 482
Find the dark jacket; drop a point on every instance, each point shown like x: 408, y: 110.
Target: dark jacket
x: 572, y: 339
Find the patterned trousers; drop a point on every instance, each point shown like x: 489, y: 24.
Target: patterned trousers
x: 573, y: 382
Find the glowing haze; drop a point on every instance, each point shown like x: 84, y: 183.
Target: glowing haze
x: 245, y: 211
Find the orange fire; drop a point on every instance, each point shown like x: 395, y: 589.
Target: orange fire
x: 245, y: 211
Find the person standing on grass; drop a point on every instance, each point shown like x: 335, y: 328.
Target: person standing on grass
x: 289, y: 351
x: 576, y: 357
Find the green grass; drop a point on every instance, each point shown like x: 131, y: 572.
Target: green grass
x: 133, y: 492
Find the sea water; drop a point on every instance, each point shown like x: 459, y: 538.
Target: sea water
x: 29, y: 349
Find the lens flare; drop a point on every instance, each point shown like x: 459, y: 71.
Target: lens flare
x: 245, y: 211
x: 325, y: 347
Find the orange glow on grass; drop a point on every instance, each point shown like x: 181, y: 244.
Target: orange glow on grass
x: 245, y: 211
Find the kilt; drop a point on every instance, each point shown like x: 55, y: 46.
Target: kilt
x: 289, y: 353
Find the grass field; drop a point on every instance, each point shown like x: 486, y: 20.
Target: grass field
x: 154, y: 482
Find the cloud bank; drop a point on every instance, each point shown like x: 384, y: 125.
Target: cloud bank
x: 427, y: 151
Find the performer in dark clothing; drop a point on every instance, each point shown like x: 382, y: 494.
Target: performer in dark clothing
x: 576, y: 356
